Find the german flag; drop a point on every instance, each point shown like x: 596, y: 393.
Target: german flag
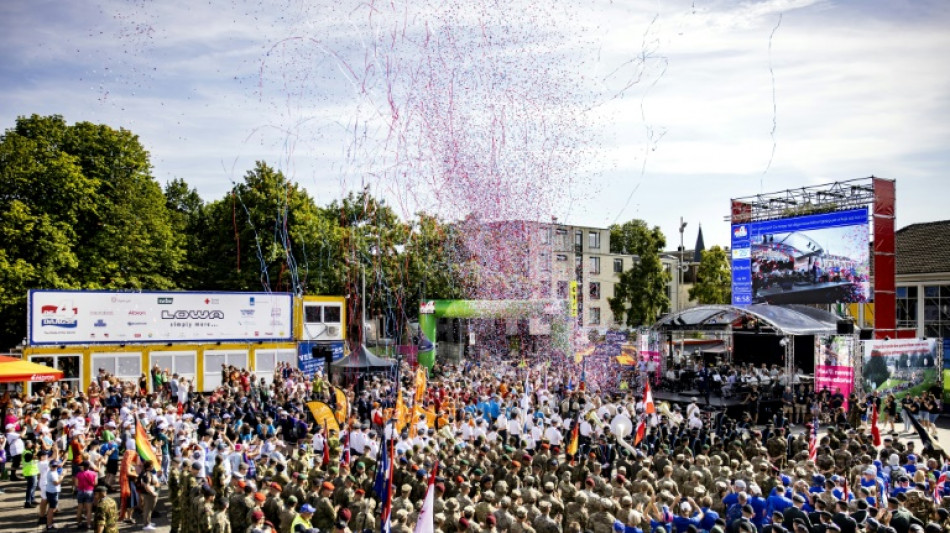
x: 574, y: 443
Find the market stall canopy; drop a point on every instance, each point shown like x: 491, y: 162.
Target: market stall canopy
x: 14, y: 370
x: 785, y: 319
x: 363, y: 359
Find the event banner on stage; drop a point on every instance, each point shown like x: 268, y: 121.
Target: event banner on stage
x: 900, y: 366
x: 833, y: 370
x: 98, y: 317
x: 812, y: 259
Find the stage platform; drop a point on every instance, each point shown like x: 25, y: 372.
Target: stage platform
x: 733, y: 406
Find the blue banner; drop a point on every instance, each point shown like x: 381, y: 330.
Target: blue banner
x: 309, y: 364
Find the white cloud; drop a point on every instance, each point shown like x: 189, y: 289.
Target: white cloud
x: 859, y: 90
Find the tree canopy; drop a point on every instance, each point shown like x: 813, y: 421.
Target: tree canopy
x: 713, y: 278
x: 640, y: 296
x: 78, y: 209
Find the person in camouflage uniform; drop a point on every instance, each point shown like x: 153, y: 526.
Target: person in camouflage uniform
x: 288, y: 514
x: 220, y: 522
x: 186, y: 492
x: 105, y: 512
x: 174, y: 485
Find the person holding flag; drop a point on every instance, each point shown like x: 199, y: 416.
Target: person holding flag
x: 425, y: 522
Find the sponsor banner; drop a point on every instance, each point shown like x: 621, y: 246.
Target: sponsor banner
x: 615, y: 337
x: 97, y: 317
x: 833, y: 369
x: 811, y: 259
x: 899, y: 366
x: 835, y: 379
x: 308, y: 364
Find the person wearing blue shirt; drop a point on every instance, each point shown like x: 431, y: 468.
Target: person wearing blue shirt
x: 686, y: 516
x: 494, y: 408
x: 911, y: 466
x: 709, y: 516
x: 733, y: 497
x: 777, y: 502
x: 817, y: 484
x: 758, y: 504
x: 620, y: 527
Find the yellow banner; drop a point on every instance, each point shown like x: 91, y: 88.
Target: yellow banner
x: 402, y: 414
x: 572, y: 298
x: 342, y: 405
x: 420, y: 385
x: 324, y: 415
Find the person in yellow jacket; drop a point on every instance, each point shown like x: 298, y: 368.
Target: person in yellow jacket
x: 301, y: 523
x: 31, y: 473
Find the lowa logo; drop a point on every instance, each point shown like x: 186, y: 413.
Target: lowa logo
x: 193, y: 314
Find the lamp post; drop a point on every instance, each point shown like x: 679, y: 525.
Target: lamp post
x: 679, y: 268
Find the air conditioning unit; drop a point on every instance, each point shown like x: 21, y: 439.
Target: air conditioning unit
x: 333, y: 331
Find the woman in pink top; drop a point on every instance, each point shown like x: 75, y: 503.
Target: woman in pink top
x: 85, y: 486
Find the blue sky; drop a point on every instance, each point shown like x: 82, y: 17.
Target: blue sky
x: 859, y: 89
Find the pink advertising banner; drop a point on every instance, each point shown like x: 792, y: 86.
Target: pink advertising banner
x: 833, y: 378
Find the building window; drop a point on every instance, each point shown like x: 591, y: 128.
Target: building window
x: 545, y: 262
x: 560, y: 231
x: 579, y: 238
x: 561, y: 257
x: 595, y: 265
x: 593, y: 240
x: 618, y: 266
x: 545, y: 235
x: 907, y: 307
x: 562, y: 290
x: 936, y: 310
x: 332, y: 314
x: 595, y: 290
x: 594, y: 316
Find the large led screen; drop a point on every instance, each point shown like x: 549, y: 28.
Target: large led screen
x: 812, y: 259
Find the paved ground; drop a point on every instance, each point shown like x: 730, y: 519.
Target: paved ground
x: 13, y: 517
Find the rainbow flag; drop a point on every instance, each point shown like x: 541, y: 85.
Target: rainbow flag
x: 143, y: 446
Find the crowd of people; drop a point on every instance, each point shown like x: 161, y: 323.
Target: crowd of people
x: 506, y: 447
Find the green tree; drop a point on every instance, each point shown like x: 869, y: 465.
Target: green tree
x: 640, y: 295
x: 78, y: 209
x: 267, y: 234
x: 876, y: 372
x: 185, y: 208
x: 714, y: 278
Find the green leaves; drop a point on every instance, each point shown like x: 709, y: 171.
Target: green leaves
x: 640, y: 295
x: 78, y: 209
x: 714, y: 278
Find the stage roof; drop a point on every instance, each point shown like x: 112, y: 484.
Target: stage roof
x: 786, y: 319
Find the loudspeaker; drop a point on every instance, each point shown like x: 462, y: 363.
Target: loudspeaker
x: 845, y: 327
x: 322, y: 351
x: 866, y: 335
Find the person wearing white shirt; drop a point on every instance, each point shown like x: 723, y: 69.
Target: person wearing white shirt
x: 553, y: 435
x: 43, y: 466
x: 479, y: 430
x: 358, y: 442
x: 515, y: 428
x: 695, y: 422
x: 537, y: 433
x: 692, y: 410
x: 371, y: 449
x: 467, y: 430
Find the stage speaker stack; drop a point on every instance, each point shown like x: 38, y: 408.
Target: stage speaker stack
x: 326, y: 353
x: 845, y: 327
